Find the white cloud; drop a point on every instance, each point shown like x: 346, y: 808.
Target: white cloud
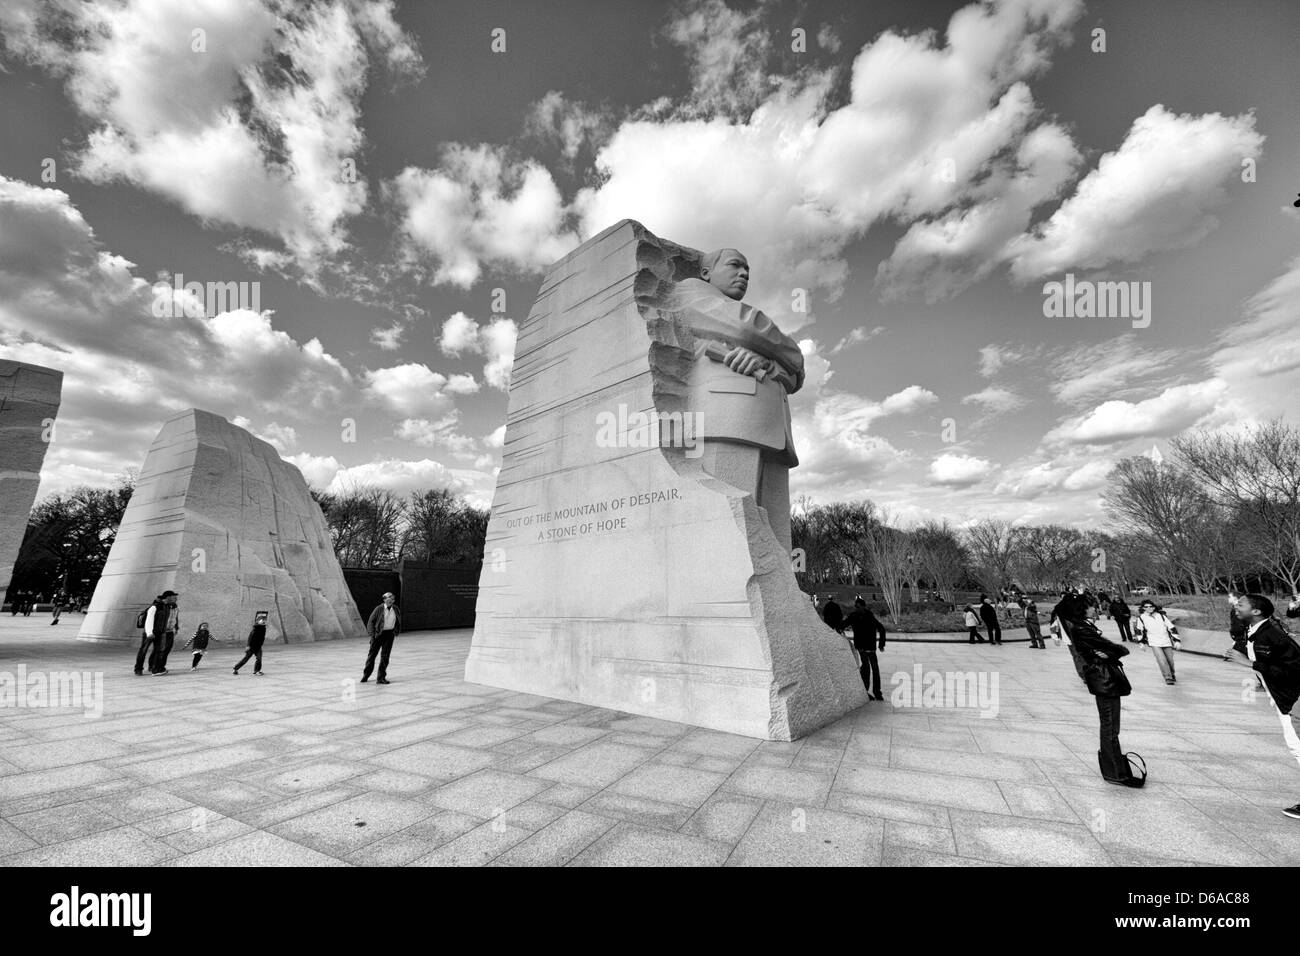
x: 856, y: 337
x: 252, y: 131
x: 495, y: 341
x: 317, y: 470
x: 480, y: 209
x: 1173, y: 410
x: 1157, y: 191
x: 389, y: 339
x: 727, y: 50
x: 959, y: 470
x: 995, y: 400
x: 410, y: 390
x: 567, y: 124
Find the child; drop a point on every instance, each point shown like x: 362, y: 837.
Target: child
x: 972, y: 624
x: 255, y: 639
x: 200, y: 642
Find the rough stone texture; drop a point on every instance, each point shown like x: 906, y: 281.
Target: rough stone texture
x: 207, y: 484
x: 686, y: 609
x: 29, y: 399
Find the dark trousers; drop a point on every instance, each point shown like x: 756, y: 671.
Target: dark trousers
x: 995, y: 632
x: 198, y: 656
x: 1035, y: 637
x: 382, y: 644
x: 870, y: 671
x: 251, y: 652
x: 1114, y: 765
x: 146, y: 640
x: 161, y: 648
x: 1124, y: 633
x: 975, y: 635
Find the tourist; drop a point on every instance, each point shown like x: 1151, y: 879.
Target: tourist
x: 1156, y: 631
x: 833, y: 615
x: 1032, y: 626
x: 1104, y: 676
x: 58, y: 606
x: 1237, y: 632
x: 989, y: 614
x: 1275, y: 657
x: 1071, y: 606
x: 256, y: 638
x: 867, y: 629
x: 1122, y: 613
x: 972, y: 624
x: 200, y: 643
x: 384, y: 625
x: 15, y: 603
x: 160, y: 623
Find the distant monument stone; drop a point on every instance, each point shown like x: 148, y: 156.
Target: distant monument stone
x: 29, y: 401
x: 638, y: 557
x: 219, y: 517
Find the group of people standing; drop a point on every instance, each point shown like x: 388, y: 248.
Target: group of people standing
x: 160, y: 622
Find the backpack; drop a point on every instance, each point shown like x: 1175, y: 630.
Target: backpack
x: 140, y: 618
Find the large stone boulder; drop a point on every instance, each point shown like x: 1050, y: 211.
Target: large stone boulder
x: 620, y: 573
x: 220, y: 518
x: 29, y: 401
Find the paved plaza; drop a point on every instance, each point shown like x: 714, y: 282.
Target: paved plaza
x: 306, y: 766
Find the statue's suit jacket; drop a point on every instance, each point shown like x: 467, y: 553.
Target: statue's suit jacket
x: 732, y: 406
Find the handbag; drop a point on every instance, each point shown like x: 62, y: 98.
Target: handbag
x: 1107, y: 678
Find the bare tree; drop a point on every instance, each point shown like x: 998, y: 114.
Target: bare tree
x: 365, y: 523
x: 941, y: 555
x: 1255, y: 476
x: 1054, y: 556
x: 993, y: 550
x: 1171, y: 509
x: 442, y: 526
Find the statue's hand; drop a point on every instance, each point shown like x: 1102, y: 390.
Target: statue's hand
x: 745, y: 361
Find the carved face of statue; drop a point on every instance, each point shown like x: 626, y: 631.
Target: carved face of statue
x: 729, y: 272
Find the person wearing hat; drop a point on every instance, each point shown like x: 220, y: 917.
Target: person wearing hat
x: 162, y: 621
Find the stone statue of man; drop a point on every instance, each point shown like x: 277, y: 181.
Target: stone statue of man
x: 743, y: 370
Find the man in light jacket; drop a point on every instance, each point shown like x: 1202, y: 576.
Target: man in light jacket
x: 384, y: 625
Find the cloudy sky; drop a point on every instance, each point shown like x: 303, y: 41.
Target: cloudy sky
x: 396, y: 185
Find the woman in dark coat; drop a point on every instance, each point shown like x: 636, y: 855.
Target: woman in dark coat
x: 1104, y: 676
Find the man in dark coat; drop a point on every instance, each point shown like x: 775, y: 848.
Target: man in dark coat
x: 1275, y: 657
x: 989, y: 615
x: 1122, y: 614
x: 868, y: 633
x: 384, y: 625
x: 833, y: 615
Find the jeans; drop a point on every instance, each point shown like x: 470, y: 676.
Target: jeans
x: 1035, y: 636
x: 251, y: 652
x: 1124, y: 633
x: 1165, y: 659
x: 161, y: 648
x: 1114, y: 765
x: 870, y: 671
x: 146, y: 640
x: 1289, y: 734
x: 381, y: 642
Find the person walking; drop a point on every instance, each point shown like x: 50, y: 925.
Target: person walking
x: 57, y: 600
x: 200, y: 644
x: 1275, y: 657
x: 256, y: 638
x: 1123, y: 614
x: 384, y: 625
x: 972, y: 622
x: 1156, y: 631
x: 160, y: 623
x: 989, y: 614
x: 1032, y: 626
x: 1103, y: 674
x: 833, y: 615
x: 868, y: 633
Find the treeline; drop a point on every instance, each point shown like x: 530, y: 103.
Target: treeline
x: 375, y: 527
x: 1223, y: 513
x: 69, y: 534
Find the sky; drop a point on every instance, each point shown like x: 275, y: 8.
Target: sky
x: 395, y: 178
